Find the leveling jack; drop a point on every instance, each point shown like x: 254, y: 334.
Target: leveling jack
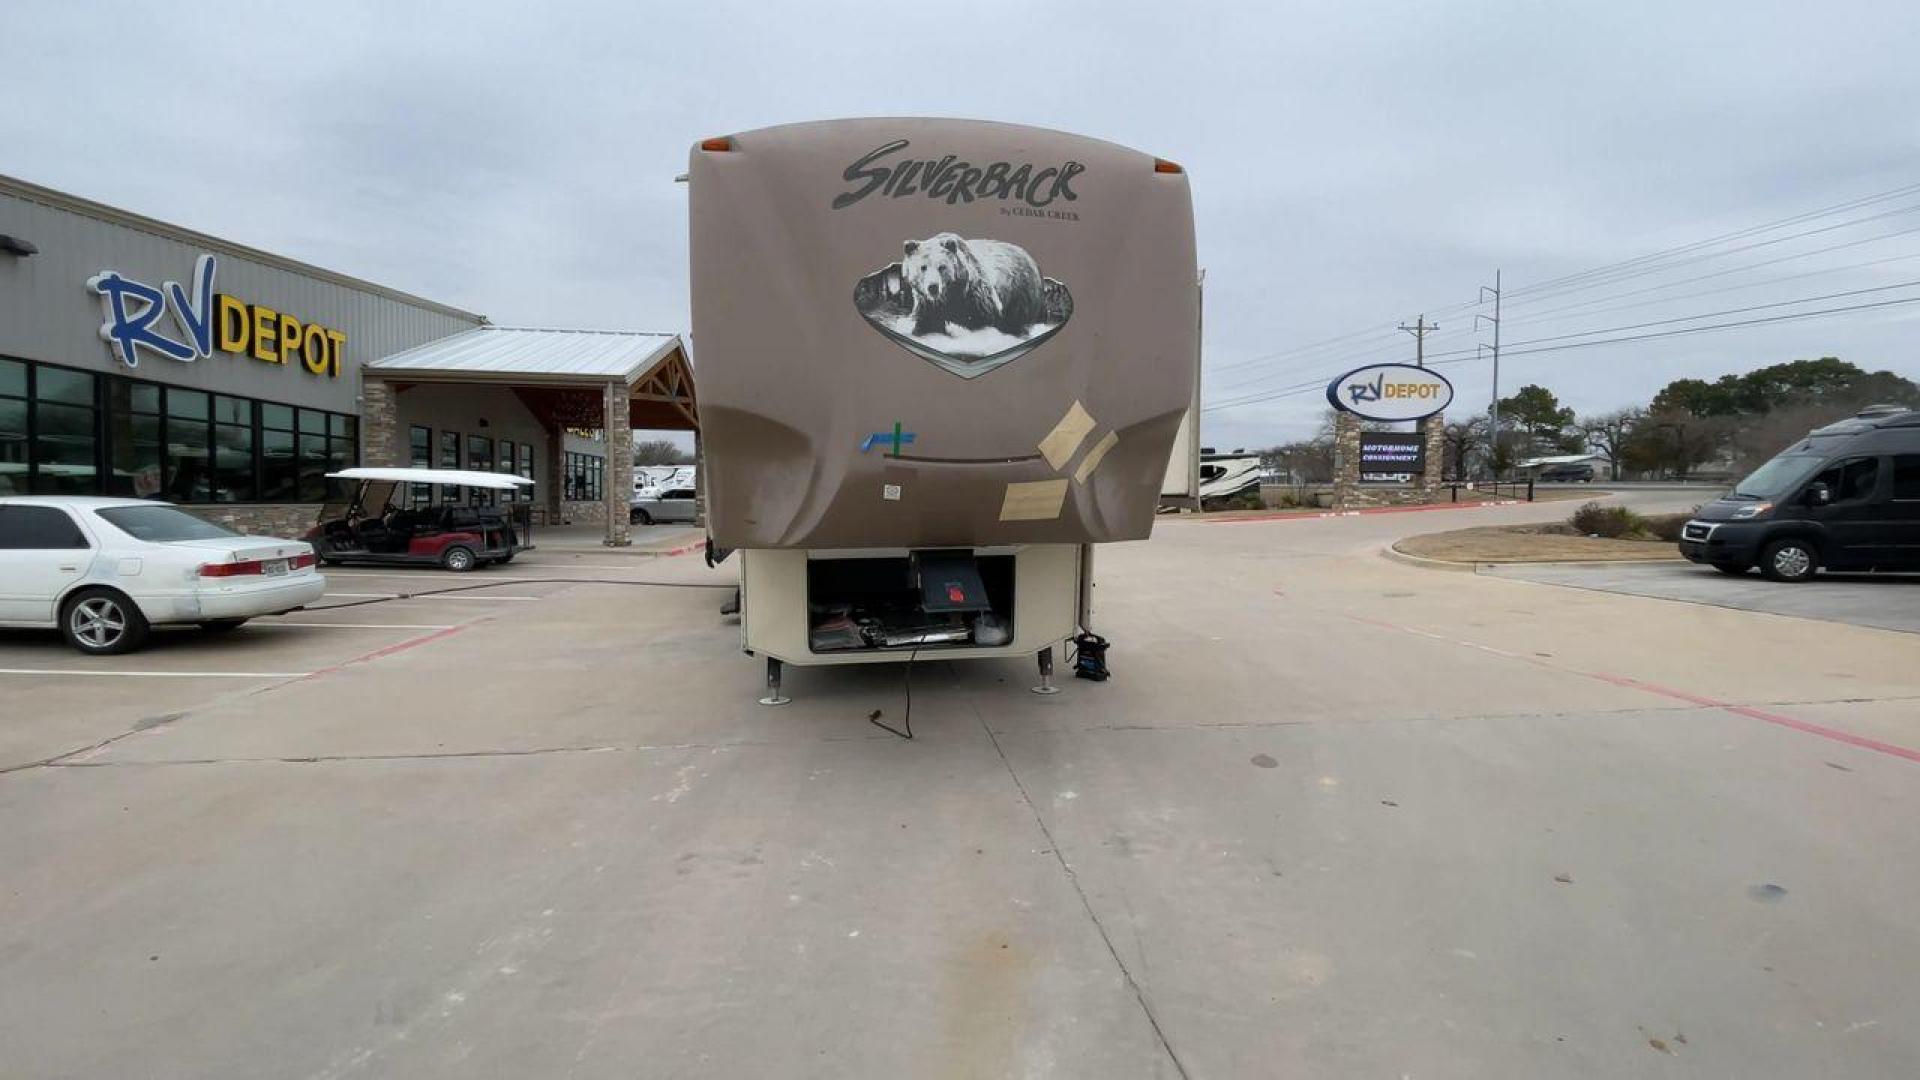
x: 1046, y: 673
x: 774, y: 696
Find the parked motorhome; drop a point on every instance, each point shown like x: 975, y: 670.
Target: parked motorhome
x: 939, y: 361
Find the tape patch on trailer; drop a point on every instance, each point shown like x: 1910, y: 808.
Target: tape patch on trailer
x: 1034, y: 500
x: 1066, y: 436
x: 1094, y: 457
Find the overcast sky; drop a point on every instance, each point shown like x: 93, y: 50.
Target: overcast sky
x: 1351, y: 168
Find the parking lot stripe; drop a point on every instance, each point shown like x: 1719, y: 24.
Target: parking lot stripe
x: 411, y: 596
x: 160, y: 674
x: 1630, y: 683
x: 362, y: 625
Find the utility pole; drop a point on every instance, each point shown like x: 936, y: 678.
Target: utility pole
x: 1493, y: 411
x: 1420, y: 330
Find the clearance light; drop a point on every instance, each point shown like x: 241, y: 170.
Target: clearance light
x: 716, y: 145
x: 1162, y: 165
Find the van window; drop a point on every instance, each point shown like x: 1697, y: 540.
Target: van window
x: 1906, y: 477
x: 1851, y: 480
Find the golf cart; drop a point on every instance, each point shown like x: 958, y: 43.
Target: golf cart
x: 370, y: 528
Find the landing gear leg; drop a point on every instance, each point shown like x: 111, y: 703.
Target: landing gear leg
x: 774, y: 696
x: 1046, y: 673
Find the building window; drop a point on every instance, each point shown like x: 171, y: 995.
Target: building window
x: 480, y: 459
x: 233, y: 467
x: 505, y: 464
x: 65, y: 441
x: 584, y: 477
x: 420, y: 454
x: 279, y: 461
x: 449, y: 459
x: 526, y: 464
x: 73, y: 432
x: 13, y: 427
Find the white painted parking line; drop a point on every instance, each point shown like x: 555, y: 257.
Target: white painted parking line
x: 162, y: 674
x: 361, y: 625
x: 412, y: 596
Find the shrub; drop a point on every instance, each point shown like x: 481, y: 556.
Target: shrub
x: 1665, y: 526
x: 1612, y: 522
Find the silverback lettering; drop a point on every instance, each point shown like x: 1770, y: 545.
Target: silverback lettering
x: 954, y: 180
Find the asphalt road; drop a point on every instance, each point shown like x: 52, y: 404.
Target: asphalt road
x: 1334, y: 816
x: 1886, y: 601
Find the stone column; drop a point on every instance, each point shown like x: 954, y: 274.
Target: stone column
x: 618, y: 476
x: 380, y: 442
x: 1346, y: 460
x: 553, y: 477
x: 1433, y: 432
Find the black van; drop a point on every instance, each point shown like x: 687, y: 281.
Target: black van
x: 1847, y: 497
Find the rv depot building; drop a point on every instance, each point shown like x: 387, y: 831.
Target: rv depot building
x: 145, y: 360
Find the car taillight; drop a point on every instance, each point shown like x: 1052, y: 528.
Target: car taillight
x: 301, y: 562
x: 230, y: 569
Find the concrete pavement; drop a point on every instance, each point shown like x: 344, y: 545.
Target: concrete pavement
x: 1333, y: 816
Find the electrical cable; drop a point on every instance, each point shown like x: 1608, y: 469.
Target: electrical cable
x: 907, y: 720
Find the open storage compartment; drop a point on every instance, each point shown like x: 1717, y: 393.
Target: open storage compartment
x: 922, y: 600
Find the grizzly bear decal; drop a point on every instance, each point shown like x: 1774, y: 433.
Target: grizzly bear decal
x: 968, y: 306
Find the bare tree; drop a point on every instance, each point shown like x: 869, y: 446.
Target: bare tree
x: 1462, y: 440
x: 660, y: 452
x: 1610, y: 432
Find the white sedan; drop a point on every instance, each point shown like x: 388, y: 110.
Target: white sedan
x: 106, y: 570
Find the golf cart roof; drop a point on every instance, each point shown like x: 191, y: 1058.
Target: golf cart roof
x: 462, y: 477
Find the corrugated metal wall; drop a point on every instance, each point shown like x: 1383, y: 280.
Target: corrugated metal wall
x: 48, y: 314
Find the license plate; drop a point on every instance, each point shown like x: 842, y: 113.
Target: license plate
x: 273, y: 567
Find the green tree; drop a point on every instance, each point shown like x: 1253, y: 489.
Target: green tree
x: 1536, y: 411
x: 1826, y: 381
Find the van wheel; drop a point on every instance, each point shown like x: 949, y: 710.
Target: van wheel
x: 1732, y: 569
x: 1789, y: 560
x: 458, y: 559
x: 102, y: 622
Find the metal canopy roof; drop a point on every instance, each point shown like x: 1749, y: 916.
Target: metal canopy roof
x: 522, y: 354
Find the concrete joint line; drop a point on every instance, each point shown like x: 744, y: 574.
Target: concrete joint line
x: 1139, y: 994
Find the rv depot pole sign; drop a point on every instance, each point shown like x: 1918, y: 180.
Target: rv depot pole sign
x: 208, y: 321
x: 1390, y: 392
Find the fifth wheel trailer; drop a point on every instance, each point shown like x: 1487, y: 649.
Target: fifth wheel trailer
x: 938, y: 361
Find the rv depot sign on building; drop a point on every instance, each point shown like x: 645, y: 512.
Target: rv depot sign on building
x: 207, y: 321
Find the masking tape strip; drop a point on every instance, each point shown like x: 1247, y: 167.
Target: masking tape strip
x: 1066, y: 437
x: 1094, y: 456
x: 1034, y: 500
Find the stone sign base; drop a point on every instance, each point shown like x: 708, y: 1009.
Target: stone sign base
x: 1349, y: 492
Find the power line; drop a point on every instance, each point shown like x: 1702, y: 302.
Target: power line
x: 1558, y: 286
x: 1636, y: 292
x: 1793, y: 317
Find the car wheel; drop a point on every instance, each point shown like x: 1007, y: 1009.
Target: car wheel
x: 641, y: 517
x: 1789, y: 560
x: 1732, y: 569
x: 222, y: 626
x: 102, y: 622
x: 458, y: 559
x: 505, y: 559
